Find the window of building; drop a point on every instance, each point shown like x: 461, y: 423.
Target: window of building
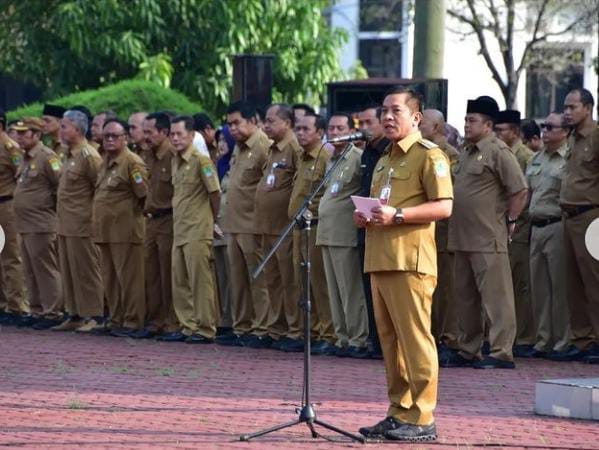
x: 380, y: 37
x: 552, y: 74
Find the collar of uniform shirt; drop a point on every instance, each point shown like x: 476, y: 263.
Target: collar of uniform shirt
x: 251, y: 141
x: 285, y: 141
x: 408, y: 141
x: 163, y: 149
x: 563, y: 150
x: 586, y: 130
x: 34, y: 151
x: 313, y: 152
x: 483, y: 143
x: 185, y: 155
x: 119, y: 158
x: 77, y: 148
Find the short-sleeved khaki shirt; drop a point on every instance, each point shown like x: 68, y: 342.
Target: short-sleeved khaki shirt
x: 245, y: 171
x: 35, y: 194
x: 272, y: 203
x: 60, y: 149
x: 580, y: 185
x: 442, y: 226
x: 118, y: 203
x: 523, y: 155
x: 194, y: 177
x: 544, y: 175
x: 311, y: 168
x: 76, y: 190
x: 336, y: 226
x: 421, y: 173
x: 11, y: 157
x: 160, y: 182
x: 486, y: 175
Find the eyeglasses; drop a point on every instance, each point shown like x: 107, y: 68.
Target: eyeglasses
x: 111, y: 137
x: 549, y: 126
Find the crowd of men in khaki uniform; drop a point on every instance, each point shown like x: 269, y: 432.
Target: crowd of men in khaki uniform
x: 116, y: 228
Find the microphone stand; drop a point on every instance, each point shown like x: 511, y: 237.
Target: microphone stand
x: 306, y: 412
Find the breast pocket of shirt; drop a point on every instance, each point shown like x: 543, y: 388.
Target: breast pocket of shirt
x: 476, y: 168
x: 116, y: 183
x: 73, y: 177
x: 401, y: 180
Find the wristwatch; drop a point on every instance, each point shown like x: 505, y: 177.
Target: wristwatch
x: 398, y: 218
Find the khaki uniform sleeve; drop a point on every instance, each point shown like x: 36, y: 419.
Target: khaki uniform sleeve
x: 209, y: 175
x: 139, y: 178
x: 16, y: 157
x: 436, y: 175
x: 509, y: 172
x: 53, y: 169
x: 93, y: 167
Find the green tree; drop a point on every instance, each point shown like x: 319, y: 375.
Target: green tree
x: 69, y: 45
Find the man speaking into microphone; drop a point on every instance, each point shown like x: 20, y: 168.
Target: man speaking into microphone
x: 412, y: 180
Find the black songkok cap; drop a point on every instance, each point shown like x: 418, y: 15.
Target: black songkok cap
x: 53, y: 110
x: 508, y: 116
x: 483, y: 105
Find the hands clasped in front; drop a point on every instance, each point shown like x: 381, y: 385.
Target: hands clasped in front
x: 381, y: 215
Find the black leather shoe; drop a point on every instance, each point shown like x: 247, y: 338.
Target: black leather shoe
x: 293, y: 345
x: 175, y: 336
x: 26, y: 321
x: 378, y: 431
x: 259, y: 342
x: 198, y: 339
x: 493, y: 363
x: 357, y: 352
x: 521, y: 350
x: 323, y: 348
x: 413, y: 433
x: 44, y: 324
x: 11, y: 319
x: 572, y: 353
x: 534, y: 353
x: 121, y: 332
x: 142, y: 334
x: 278, y: 343
x: 454, y: 360
x: 231, y: 340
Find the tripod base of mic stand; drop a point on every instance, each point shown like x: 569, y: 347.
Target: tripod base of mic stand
x: 307, y: 416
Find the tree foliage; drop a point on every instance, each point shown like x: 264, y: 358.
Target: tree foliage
x: 497, y: 22
x: 66, y: 45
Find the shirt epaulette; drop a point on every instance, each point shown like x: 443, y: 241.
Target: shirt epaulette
x: 427, y: 144
x: 85, y: 152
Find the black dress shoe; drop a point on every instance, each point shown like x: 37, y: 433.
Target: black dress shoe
x: 44, y: 324
x: 357, y: 352
x: 231, y: 340
x: 534, y: 353
x: 413, y: 433
x: 175, y: 336
x: 493, y: 363
x: 198, y: 339
x: 259, y: 342
x: 144, y: 333
x: 323, y: 348
x: 27, y: 320
x: 223, y: 331
x: 293, y: 346
x: 521, y: 350
x: 121, y: 332
x: 277, y: 344
x: 454, y: 360
x: 378, y: 431
x: 572, y: 353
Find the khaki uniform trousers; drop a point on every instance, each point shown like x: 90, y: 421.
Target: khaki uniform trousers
x: 321, y: 319
x: 42, y: 277
x: 445, y: 324
x: 194, y: 295
x: 346, y: 294
x: 12, y: 294
x: 249, y: 297
x: 582, y: 281
x: 122, y: 266
x: 402, y: 307
x: 223, y: 277
x: 81, y: 277
x: 483, y: 289
x: 548, y: 288
x: 519, y: 254
x: 158, y: 246
x: 285, y: 314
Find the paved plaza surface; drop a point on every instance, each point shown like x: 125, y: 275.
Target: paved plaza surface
x: 62, y: 390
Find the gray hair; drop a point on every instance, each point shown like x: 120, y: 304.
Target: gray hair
x: 79, y: 120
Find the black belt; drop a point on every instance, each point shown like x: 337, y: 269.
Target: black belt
x: 157, y: 213
x: 5, y: 198
x: 573, y: 211
x: 544, y: 222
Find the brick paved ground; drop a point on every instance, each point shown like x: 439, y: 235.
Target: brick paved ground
x: 61, y: 390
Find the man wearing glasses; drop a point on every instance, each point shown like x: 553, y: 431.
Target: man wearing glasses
x: 548, y: 285
x: 119, y: 229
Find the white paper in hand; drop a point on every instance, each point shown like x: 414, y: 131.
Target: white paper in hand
x: 591, y: 239
x: 365, y: 204
x: 2, y: 239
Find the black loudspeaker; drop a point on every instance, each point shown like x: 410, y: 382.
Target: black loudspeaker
x: 354, y: 96
x: 252, y: 79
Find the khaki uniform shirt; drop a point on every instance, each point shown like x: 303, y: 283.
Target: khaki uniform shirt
x: 60, y: 149
x: 35, y: 194
x: 160, y: 183
x: 523, y: 155
x: 76, y: 190
x: 310, y: 172
x: 11, y: 157
x: 272, y: 203
x: 194, y: 177
x: 442, y: 226
x: 580, y: 185
x: 245, y: 171
x: 421, y: 173
x: 336, y: 225
x: 118, y: 204
x: 486, y: 175
x: 544, y: 175
x: 220, y: 218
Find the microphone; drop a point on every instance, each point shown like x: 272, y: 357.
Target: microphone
x: 360, y: 135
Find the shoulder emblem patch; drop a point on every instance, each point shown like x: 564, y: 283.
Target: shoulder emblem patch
x: 16, y: 159
x: 55, y: 164
x: 207, y: 170
x: 441, y: 168
x: 137, y: 178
